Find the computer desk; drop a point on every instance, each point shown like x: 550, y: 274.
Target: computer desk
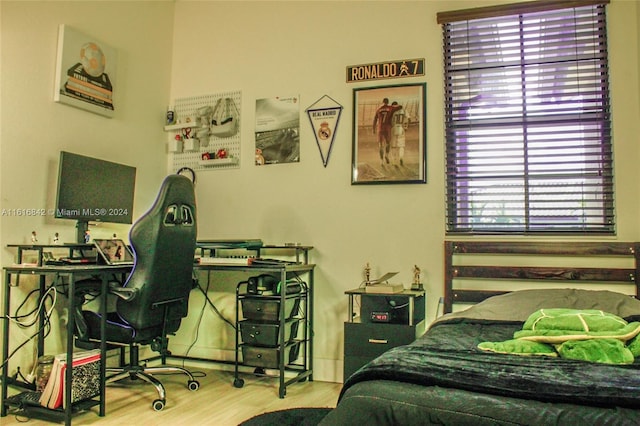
x: 73, y: 272
x: 70, y: 274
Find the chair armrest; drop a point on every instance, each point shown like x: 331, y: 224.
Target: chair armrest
x: 122, y: 292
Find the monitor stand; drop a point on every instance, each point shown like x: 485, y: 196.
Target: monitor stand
x: 82, y: 227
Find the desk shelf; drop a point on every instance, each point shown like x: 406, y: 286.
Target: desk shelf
x: 55, y: 415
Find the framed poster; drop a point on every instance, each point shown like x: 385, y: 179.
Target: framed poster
x: 389, y: 134
x: 277, y: 130
x: 85, y: 72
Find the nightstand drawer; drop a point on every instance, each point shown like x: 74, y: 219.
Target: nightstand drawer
x: 374, y: 339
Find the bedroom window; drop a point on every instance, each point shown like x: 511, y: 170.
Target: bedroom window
x: 527, y: 119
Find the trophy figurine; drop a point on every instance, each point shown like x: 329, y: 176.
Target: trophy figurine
x: 416, y: 285
x: 367, y: 274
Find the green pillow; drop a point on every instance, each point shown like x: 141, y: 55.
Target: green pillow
x: 607, y: 351
x: 558, y: 325
x: 519, y: 347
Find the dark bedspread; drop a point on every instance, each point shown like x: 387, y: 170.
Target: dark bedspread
x: 447, y: 356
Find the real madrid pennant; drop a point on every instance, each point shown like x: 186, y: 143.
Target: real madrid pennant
x: 324, y: 116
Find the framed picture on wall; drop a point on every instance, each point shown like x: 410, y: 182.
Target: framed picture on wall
x: 85, y: 72
x: 389, y: 134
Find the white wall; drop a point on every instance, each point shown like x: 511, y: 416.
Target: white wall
x: 268, y: 49
x: 264, y: 49
x: 35, y: 128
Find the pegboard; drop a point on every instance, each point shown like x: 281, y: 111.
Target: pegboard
x: 186, y: 109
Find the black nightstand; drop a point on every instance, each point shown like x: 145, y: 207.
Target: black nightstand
x: 384, y: 321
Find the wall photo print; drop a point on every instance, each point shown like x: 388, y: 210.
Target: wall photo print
x: 85, y: 72
x: 389, y: 134
x: 277, y: 130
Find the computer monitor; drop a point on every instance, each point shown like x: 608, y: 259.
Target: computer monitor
x: 94, y: 190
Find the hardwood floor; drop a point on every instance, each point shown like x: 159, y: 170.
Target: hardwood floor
x: 217, y: 402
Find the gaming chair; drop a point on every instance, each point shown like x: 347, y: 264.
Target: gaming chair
x: 154, y: 298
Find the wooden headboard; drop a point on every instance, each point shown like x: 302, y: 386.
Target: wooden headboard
x: 460, y: 267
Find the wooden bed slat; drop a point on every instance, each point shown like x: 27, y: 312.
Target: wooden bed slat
x: 569, y: 248
x: 534, y: 275
x: 474, y: 296
x: 544, y: 273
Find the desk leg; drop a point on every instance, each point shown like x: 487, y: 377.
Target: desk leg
x: 310, y: 329
x: 281, y: 318
x: 103, y: 343
x: 68, y: 377
x: 5, y: 344
x: 43, y: 282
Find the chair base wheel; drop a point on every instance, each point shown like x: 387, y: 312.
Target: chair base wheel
x: 158, y: 404
x: 238, y: 383
x: 193, y: 385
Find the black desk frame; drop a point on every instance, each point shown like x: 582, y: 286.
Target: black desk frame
x: 71, y: 273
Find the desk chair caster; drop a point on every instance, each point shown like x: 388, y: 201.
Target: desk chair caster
x: 238, y: 383
x: 158, y: 404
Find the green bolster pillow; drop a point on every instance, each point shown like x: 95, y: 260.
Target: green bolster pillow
x: 519, y: 347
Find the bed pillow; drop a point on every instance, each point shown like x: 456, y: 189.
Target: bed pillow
x: 559, y: 325
x: 518, y: 305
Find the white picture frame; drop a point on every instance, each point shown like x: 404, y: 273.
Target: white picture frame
x: 85, y: 72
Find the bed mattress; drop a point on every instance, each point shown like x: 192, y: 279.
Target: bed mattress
x: 442, y: 378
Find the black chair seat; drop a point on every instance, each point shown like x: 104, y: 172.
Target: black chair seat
x: 117, y: 330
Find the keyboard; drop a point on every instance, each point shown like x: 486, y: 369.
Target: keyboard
x: 272, y: 262
x: 225, y: 260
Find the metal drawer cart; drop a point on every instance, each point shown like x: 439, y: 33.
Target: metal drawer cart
x: 274, y: 324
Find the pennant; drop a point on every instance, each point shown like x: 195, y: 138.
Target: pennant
x: 324, y: 116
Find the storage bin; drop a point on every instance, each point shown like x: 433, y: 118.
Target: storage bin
x: 267, y: 333
x: 256, y: 356
x: 265, y: 309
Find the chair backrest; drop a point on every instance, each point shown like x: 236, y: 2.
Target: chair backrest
x: 164, y: 242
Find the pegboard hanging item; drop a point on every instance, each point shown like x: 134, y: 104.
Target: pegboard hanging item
x: 198, y: 110
x: 224, y: 119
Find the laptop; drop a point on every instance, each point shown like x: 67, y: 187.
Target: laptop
x: 113, y: 252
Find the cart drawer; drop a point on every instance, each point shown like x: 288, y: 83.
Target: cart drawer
x: 267, y: 333
x: 269, y: 357
x: 263, y: 309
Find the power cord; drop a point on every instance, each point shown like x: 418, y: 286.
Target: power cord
x: 50, y: 294
x: 213, y: 306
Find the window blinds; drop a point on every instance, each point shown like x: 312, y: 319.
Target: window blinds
x: 527, y: 122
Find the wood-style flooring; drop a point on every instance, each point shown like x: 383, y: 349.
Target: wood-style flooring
x: 217, y: 402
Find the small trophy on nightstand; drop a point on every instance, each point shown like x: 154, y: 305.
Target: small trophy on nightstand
x: 367, y: 274
x: 416, y: 284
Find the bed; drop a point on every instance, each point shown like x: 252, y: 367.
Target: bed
x: 444, y: 378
